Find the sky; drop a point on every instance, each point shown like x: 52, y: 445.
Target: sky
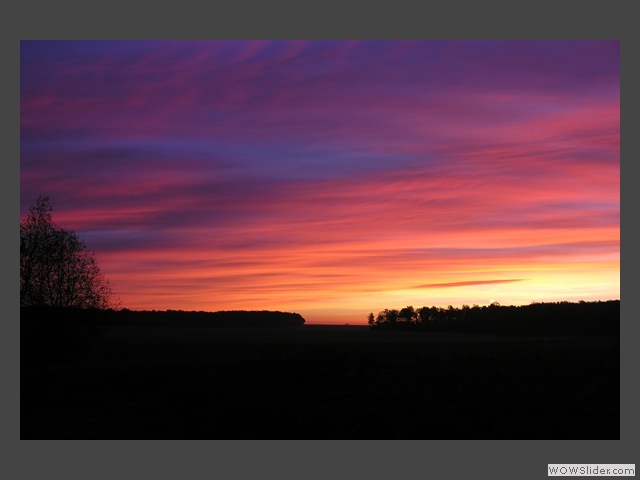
x: 330, y: 178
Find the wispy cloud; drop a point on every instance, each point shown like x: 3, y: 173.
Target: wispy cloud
x: 466, y: 284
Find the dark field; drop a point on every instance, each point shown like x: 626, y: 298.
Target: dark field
x: 317, y: 382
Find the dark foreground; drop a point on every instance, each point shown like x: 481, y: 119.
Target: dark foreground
x: 317, y: 382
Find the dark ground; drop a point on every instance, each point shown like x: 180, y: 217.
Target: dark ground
x: 316, y: 382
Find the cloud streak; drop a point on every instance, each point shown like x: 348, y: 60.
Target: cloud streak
x: 466, y: 284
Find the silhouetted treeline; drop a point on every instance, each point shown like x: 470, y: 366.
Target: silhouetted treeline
x: 175, y: 318
x: 546, y: 319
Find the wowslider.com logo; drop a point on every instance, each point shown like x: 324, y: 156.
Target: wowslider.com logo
x: 583, y: 470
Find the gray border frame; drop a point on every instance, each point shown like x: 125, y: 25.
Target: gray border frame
x: 344, y: 20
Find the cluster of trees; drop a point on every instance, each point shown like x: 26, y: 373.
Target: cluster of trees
x: 424, y: 316
x: 552, y: 318
x: 56, y: 267
x: 60, y: 317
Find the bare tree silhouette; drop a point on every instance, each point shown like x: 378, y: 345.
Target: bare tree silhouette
x: 56, y: 267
